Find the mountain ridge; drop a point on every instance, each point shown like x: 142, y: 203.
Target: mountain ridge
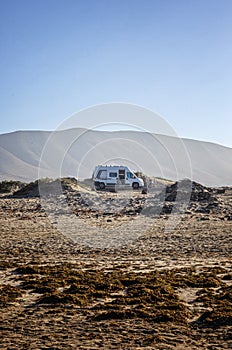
x: 21, y: 150
x: 115, y: 131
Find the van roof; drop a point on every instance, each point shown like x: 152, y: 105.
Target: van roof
x: 113, y: 166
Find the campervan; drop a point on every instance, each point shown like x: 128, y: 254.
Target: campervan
x: 115, y: 176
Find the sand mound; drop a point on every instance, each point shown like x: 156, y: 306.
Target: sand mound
x: 48, y: 187
x: 11, y: 186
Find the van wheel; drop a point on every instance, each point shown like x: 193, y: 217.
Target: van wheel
x: 96, y: 185
x: 101, y: 185
x: 135, y: 185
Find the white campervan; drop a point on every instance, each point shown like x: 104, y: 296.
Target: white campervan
x: 115, y: 176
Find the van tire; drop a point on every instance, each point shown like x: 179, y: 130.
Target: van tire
x: 101, y: 185
x: 135, y: 185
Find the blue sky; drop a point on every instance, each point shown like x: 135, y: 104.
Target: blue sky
x: 171, y: 56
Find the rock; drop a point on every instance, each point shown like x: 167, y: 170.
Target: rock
x: 167, y: 209
x: 181, y: 190
x: 203, y: 218
x: 203, y: 210
x: 219, y: 190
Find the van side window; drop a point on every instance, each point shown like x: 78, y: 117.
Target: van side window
x: 113, y: 174
x: 130, y: 175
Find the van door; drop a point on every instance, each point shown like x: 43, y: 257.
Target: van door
x: 121, y: 176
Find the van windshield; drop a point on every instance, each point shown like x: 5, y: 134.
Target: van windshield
x: 102, y: 174
x: 130, y: 175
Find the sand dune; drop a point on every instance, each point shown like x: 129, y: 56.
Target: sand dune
x: 75, y: 152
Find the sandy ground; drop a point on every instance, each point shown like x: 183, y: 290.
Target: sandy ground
x: 189, y: 268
